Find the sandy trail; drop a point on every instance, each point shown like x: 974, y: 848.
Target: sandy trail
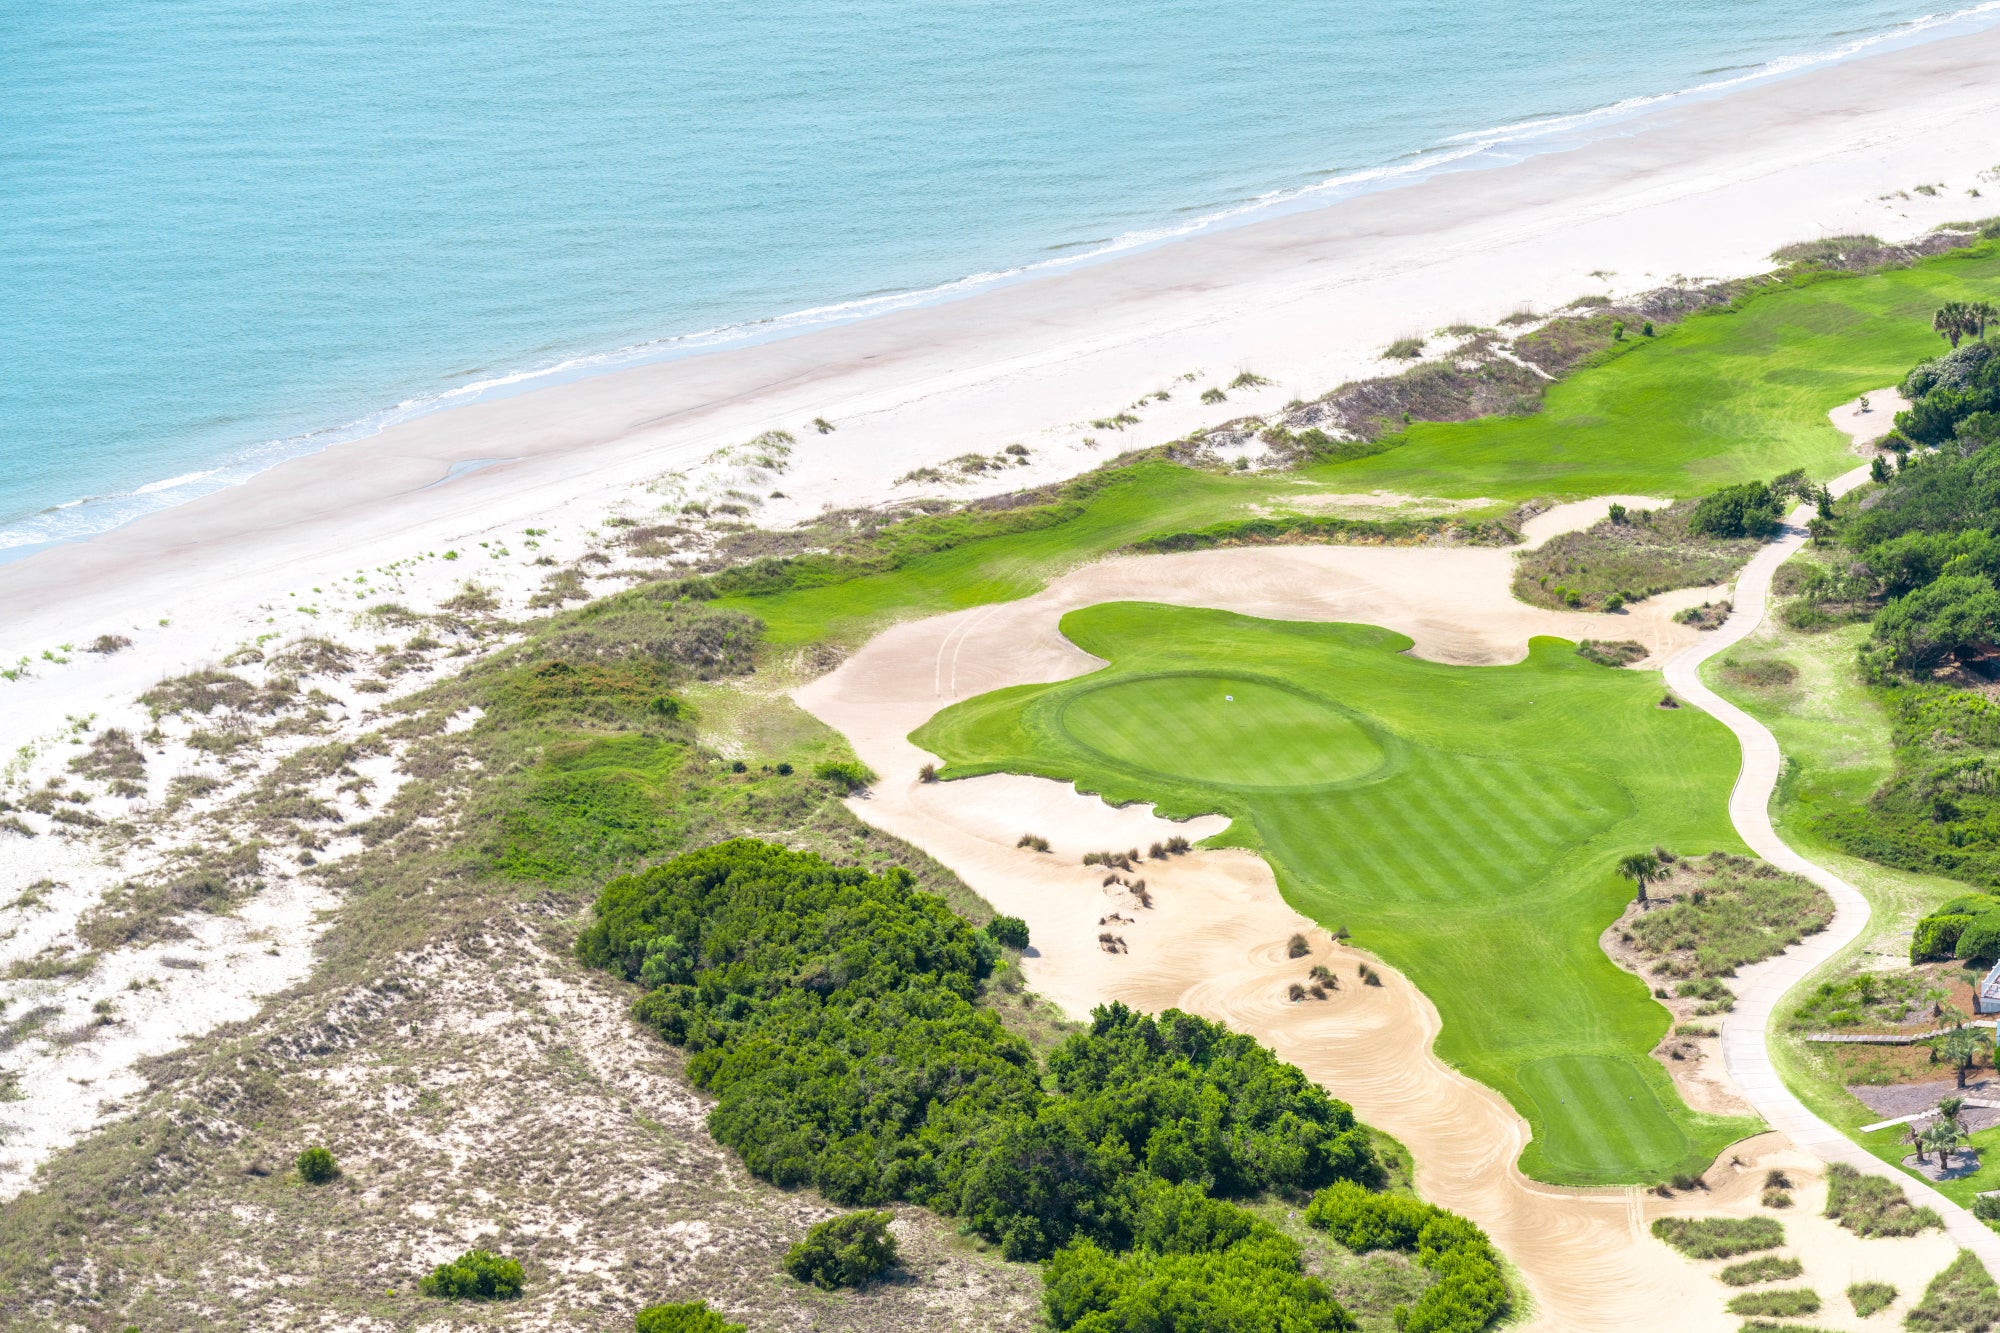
x: 1215, y: 941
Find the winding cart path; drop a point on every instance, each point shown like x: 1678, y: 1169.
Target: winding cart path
x: 1745, y: 1048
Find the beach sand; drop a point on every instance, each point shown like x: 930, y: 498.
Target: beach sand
x: 1703, y: 188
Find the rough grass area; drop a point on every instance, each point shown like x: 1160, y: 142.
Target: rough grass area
x: 1611, y: 652
x: 1721, y: 912
x: 1481, y: 819
x: 1962, y: 1299
x: 1768, y: 1268
x: 1644, y: 553
x: 1874, y: 1206
x: 1719, y: 1237
x: 1786, y: 1304
x: 1869, y: 1297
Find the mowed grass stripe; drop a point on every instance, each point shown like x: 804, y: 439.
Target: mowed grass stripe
x: 1480, y: 861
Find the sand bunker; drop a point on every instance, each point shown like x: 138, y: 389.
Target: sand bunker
x: 1215, y: 939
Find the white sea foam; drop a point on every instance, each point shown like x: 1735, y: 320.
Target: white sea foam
x: 1495, y: 145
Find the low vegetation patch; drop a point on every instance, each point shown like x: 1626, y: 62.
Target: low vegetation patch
x: 1719, y: 1237
x: 1638, y: 554
x: 1961, y: 1299
x: 316, y: 1166
x: 1722, y: 912
x: 1869, y: 1297
x: 1873, y: 1206
x: 1768, y: 1268
x: 1785, y: 1304
x: 1611, y: 652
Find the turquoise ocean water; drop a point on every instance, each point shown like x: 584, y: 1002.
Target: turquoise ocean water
x: 232, y: 231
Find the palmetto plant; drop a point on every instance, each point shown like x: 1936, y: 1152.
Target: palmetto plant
x: 1642, y: 868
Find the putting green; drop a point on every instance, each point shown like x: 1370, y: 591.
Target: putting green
x: 1235, y: 731
x: 1463, y: 822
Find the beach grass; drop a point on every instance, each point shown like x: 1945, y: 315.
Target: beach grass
x: 1461, y: 822
x: 1735, y: 394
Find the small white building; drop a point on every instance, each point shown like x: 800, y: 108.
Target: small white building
x: 1987, y: 1000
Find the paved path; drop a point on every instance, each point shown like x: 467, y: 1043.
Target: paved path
x: 1759, y: 988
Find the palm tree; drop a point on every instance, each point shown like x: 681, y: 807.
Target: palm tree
x: 1952, y: 322
x: 1961, y: 1047
x: 1978, y: 315
x: 1642, y: 868
x: 1943, y: 1135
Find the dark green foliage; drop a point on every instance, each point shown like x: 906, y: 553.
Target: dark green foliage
x: 1470, y: 1291
x: 1719, y: 1237
x: 834, y: 1016
x: 828, y: 1010
x: 1873, y: 1206
x: 1961, y: 1299
x: 1868, y: 1297
x: 1008, y: 931
x: 1946, y: 390
x: 1940, y: 812
x: 1767, y: 1268
x: 851, y: 1250
x: 1942, y: 619
x: 1748, y: 510
x: 1196, y: 1264
x: 476, y: 1275
x: 686, y: 1317
x: 316, y: 1166
x: 1782, y: 1304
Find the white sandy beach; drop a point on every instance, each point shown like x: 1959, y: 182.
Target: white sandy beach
x: 1704, y: 189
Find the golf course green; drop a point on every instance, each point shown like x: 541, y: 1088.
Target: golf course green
x: 1461, y: 822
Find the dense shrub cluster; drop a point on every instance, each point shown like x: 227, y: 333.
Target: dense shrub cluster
x: 1469, y: 1292
x: 685, y: 1317
x: 476, y: 1275
x: 1749, y: 510
x: 834, y: 1016
x: 851, y: 1250
x: 1967, y: 927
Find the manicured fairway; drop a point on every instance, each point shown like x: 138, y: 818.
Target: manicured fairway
x: 1725, y: 396
x: 1463, y: 822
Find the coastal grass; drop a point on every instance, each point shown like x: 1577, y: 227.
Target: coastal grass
x: 1736, y: 394
x: 1463, y: 823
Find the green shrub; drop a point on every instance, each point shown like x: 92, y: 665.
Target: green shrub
x: 1937, y: 936
x: 686, y: 1317
x: 847, y: 774
x: 1748, y: 510
x: 1470, y: 1291
x: 1872, y: 1205
x: 1768, y: 1268
x: 1783, y: 1304
x: 1961, y: 1299
x: 1719, y: 1237
x: 1980, y: 940
x: 1869, y: 1297
x: 1009, y: 931
x: 476, y: 1275
x: 316, y: 1166
x: 1986, y: 1207
x: 847, y: 1251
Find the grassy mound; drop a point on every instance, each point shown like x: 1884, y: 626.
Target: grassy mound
x: 1476, y: 853
x: 1872, y: 1206
x: 1719, y: 1237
